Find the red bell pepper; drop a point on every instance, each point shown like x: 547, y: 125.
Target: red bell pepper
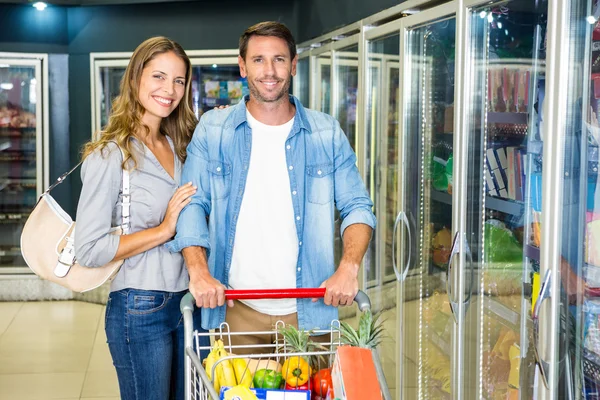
x: 304, y: 386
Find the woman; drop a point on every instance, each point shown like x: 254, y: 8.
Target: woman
x: 150, y: 126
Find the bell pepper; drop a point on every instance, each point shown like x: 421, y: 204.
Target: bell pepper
x: 296, y: 371
x: 267, y: 379
x: 321, y: 382
x: 305, y: 386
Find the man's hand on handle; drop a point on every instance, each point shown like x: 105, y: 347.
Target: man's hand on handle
x: 342, y: 286
x: 207, y: 291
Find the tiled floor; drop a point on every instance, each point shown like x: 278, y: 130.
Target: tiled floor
x: 55, y: 350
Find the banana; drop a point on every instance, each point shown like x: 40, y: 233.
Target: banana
x: 227, y: 372
x: 209, y: 362
x: 242, y: 372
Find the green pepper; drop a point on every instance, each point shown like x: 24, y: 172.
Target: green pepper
x: 267, y: 379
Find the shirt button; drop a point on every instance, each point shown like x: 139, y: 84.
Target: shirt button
x: 300, y: 244
x: 218, y: 169
x: 288, y: 147
x: 299, y: 269
x: 294, y: 193
x: 298, y: 218
x: 319, y: 172
x: 291, y: 167
x: 245, y: 167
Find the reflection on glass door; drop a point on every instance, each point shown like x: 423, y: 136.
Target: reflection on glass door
x: 428, y: 103
x: 346, y: 78
x: 110, y: 79
x: 505, y: 118
x: 382, y: 150
x: 20, y: 154
x: 302, y: 81
x: 323, y: 83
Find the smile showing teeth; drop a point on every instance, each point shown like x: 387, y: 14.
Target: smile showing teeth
x: 163, y: 101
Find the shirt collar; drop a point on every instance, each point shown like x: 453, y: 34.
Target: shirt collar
x: 300, y: 120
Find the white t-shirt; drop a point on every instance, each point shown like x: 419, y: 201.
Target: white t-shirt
x: 265, y: 252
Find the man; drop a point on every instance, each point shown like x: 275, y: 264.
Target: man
x: 269, y: 173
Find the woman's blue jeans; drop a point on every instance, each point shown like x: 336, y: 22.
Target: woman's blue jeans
x: 144, y: 329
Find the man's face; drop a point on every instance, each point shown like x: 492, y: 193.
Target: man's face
x: 268, y: 67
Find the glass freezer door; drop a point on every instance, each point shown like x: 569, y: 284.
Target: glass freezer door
x: 578, y: 360
x: 428, y: 268
x: 21, y: 160
x: 505, y: 81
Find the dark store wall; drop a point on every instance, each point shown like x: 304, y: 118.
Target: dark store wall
x: 317, y: 17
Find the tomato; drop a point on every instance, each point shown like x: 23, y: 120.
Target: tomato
x: 321, y: 383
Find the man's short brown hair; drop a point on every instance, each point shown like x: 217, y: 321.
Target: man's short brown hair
x: 268, y: 28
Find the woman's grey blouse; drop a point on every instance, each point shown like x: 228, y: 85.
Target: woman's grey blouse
x: 99, y: 210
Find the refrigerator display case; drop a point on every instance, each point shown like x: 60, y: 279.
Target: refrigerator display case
x: 216, y: 81
x: 23, y: 149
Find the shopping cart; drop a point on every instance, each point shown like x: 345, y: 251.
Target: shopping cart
x: 198, y: 386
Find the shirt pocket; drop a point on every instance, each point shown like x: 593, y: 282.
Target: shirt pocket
x: 220, y: 179
x: 320, y: 183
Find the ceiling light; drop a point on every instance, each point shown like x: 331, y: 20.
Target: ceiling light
x: 40, y: 5
x: 499, y: 25
x: 482, y: 14
x: 591, y: 19
x: 6, y: 86
x: 490, y: 17
x: 214, y: 65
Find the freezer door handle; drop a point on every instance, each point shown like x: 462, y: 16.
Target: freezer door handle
x: 544, y: 295
x: 401, y: 217
x: 453, y: 252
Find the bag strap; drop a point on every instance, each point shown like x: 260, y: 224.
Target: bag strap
x: 125, y: 204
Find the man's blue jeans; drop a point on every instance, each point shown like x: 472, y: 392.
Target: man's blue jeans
x: 145, y: 336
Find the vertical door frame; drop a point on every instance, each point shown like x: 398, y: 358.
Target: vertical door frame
x: 447, y: 11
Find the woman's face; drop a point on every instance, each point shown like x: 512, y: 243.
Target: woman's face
x: 162, y: 86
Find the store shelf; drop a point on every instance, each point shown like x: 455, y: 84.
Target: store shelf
x: 504, y: 205
x: 23, y: 183
x: 508, y: 316
x: 508, y: 118
x: 13, y: 218
x: 532, y: 252
x: 10, y: 252
x: 441, y: 197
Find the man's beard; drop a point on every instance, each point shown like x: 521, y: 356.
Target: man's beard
x: 275, y: 97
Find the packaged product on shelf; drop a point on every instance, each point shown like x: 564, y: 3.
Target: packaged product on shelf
x: 591, y: 333
x: 441, y: 245
x: 234, y: 89
x: 211, y: 89
x: 592, y: 252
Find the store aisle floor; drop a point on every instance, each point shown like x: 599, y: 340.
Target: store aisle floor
x: 55, y: 350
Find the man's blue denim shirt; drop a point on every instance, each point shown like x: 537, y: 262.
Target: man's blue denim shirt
x: 323, y: 173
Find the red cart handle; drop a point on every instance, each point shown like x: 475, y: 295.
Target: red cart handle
x: 361, y: 299
x: 257, y: 294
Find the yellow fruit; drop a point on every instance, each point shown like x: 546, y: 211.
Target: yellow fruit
x: 242, y: 372
x: 227, y: 377
x: 209, y: 362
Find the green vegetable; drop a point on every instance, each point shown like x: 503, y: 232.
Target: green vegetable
x: 267, y: 379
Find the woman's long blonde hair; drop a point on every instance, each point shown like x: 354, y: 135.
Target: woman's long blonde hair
x: 127, y: 111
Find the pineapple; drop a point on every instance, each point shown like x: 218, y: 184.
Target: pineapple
x: 298, y: 341
x: 369, y: 334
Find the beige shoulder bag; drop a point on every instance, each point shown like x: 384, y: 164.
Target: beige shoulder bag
x: 47, y: 243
